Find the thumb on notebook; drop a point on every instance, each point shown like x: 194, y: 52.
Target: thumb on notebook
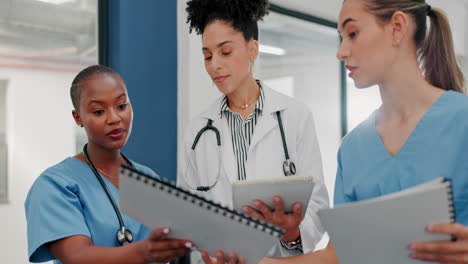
x: 297, y: 210
x: 455, y: 251
x: 161, y: 249
x: 222, y: 258
x: 159, y: 234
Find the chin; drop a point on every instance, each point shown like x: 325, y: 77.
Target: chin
x: 224, y: 89
x: 362, y: 84
x: 117, y: 144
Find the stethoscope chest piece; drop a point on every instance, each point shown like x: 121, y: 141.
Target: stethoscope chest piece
x: 289, y: 168
x: 124, y: 236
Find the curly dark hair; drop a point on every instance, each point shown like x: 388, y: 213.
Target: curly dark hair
x: 243, y: 14
x: 85, y: 74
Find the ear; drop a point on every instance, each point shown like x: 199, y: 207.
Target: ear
x: 253, y: 49
x: 77, y: 118
x: 399, y: 25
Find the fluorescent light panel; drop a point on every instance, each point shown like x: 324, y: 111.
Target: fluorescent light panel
x: 272, y: 50
x: 57, y: 2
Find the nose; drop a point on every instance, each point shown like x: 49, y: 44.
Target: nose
x: 343, y: 52
x: 113, y: 117
x: 215, y: 63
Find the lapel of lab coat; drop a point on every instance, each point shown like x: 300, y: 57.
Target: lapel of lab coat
x: 228, y: 159
x: 273, y: 102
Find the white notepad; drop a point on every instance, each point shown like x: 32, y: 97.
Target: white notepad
x: 292, y: 189
x: 157, y: 203
x: 379, y: 230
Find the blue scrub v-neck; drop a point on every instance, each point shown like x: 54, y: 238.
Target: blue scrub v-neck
x: 438, y: 146
x: 419, y: 125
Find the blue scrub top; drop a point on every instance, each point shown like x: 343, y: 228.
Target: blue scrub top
x: 66, y: 200
x: 438, y: 146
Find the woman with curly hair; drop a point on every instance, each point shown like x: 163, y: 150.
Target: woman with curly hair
x: 263, y: 134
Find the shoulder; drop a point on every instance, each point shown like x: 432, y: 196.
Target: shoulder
x: 212, y: 111
x: 56, y: 180
x: 358, y: 135
x: 144, y: 169
x: 455, y: 103
x: 291, y: 106
x: 62, y: 173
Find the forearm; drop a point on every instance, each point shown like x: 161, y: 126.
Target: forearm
x: 129, y: 254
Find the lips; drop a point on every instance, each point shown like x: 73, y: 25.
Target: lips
x: 220, y: 79
x: 351, y: 69
x: 116, y: 133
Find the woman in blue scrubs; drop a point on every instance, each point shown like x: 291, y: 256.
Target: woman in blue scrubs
x: 420, y: 132
x: 70, y: 218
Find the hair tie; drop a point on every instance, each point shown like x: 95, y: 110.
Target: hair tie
x: 429, y: 9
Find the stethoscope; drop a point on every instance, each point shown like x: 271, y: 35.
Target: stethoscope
x: 289, y: 168
x: 124, y: 236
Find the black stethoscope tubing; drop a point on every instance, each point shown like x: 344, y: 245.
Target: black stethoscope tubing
x: 289, y: 168
x: 106, y: 189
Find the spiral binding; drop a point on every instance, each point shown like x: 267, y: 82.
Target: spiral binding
x: 171, y: 188
x: 451, y: 202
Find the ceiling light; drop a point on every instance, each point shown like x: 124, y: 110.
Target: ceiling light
x: 57, y: 2
x: 272, y: 50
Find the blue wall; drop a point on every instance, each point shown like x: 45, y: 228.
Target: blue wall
x: 142, y: 46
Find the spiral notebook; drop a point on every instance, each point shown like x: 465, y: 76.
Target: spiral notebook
x: 155, y: 203
x: 379, y: 230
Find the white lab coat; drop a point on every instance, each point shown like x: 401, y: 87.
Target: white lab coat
x: 264, y: 159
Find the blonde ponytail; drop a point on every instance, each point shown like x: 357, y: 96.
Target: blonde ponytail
x: 437, y: 54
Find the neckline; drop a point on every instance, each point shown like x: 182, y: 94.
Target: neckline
x: 108, y: 183
x: 411, y: 135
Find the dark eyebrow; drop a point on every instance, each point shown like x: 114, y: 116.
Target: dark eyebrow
x: 94, y: 102
x: 346, y: 22
x: 220, y: 44
x: 101, y: 102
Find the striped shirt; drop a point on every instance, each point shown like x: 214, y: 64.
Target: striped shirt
x: 242, y: 131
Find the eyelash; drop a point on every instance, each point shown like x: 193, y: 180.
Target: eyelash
x: 352, y: 35
x: 120, y: 107
x: 98, y: 112
x: 224, y: 53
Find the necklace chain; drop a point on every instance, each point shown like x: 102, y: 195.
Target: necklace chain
x: 107, y: 174
x: 243, y: 107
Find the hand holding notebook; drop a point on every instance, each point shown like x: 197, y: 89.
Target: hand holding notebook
x: 210, y: 226
x: 380, y: 230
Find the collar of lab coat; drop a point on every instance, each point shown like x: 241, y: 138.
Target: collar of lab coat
x: 274, y: 102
